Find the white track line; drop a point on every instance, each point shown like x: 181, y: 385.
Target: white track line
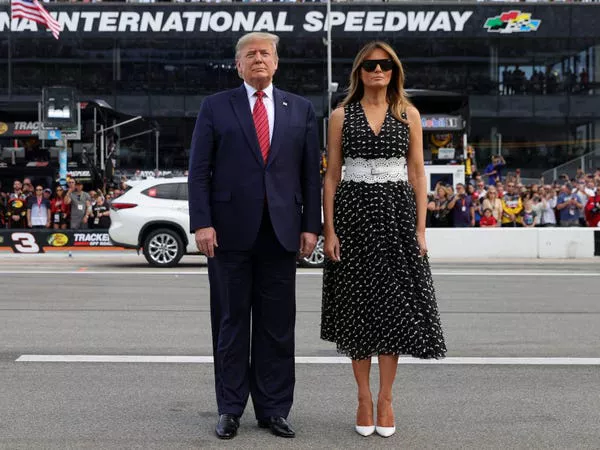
x: 551, y: 361
x: 299, y: 273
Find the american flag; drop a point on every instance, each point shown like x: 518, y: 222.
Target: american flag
x: 33, y: 10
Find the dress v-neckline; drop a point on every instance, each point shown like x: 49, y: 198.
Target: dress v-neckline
x: 364, y: 114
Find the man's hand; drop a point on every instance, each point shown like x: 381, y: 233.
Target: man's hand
x: 206, y: 241
x: 307, y: 244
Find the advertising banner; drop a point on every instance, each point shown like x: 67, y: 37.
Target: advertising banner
x: 19, y: 129
x: 41, y: 241
x: 308, y: 20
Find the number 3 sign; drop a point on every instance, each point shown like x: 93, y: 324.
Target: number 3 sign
x: 25, y: 243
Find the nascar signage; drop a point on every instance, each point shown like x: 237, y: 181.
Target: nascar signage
x: 305, y: 19
x: 512, y: 22
x: 19, y: 129
x: 41, y: 241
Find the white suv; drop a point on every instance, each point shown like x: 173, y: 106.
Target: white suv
x: 154, y: 216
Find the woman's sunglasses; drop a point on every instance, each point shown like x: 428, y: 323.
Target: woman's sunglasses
x: 371, y: 64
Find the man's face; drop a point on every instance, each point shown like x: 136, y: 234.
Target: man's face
x: 510, y: 187
x: 27, y: 186
x: 480, y: 186
x: 17, y: 186
x: 79, y: 187
x: 256, y: 63
x: 460, y: 189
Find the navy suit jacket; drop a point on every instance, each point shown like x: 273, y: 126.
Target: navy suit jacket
x: 229, y: 181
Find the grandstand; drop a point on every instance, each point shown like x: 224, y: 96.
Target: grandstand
x: 530, y: 69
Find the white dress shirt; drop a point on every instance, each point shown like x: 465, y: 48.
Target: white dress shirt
x: 548, y: 216
x: 267, y: 100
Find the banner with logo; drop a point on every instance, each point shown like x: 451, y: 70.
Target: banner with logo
x: 19, y: 129
x: 308, y: 20
x: 41, y: 241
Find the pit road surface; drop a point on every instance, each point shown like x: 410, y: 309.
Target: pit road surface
x: 544, y: 315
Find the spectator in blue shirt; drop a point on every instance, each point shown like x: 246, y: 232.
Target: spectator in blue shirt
x: 494, y: 169
x: 568, y: 206
x: 462, y: 208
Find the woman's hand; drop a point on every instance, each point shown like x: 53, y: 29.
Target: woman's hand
x: 331, y: 247
x: 422, y: 243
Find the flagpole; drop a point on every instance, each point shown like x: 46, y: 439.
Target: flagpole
x: 10, y: 54
x: 329, y: 69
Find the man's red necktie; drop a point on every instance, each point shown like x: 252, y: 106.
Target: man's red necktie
x: 261, y: 123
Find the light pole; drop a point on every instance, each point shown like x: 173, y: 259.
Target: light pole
x: 329, y: 69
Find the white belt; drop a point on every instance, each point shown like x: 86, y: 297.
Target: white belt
x: 378, y: 170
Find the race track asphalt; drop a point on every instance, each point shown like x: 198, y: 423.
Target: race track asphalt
x: 114, y: 304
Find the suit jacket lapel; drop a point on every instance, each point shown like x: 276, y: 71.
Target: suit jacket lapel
x: 241, y: 107
x: 281, y: 123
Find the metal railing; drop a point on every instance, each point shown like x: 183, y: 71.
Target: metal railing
x: 586, y: 163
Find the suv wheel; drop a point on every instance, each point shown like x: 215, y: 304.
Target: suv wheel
x: 317, y: 258
x: 163, y: 248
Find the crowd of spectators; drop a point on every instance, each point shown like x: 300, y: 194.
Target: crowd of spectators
x: 36, y: 206
x: 515, y: 82
x: 489, y: 200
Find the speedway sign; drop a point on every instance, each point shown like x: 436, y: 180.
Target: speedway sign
x: 383, y: 20
x: 220, y: 21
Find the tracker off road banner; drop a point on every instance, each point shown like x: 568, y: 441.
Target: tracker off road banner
x: 41, y: 241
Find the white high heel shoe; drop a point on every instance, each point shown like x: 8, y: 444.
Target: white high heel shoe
x: 365, y: 431
x: 385, y: 431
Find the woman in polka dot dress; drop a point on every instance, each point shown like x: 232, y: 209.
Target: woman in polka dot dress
x: 378, y: 295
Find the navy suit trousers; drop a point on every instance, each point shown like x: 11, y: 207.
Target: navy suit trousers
x: 253, y: 315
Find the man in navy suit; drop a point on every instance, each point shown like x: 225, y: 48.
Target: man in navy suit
x: 255, y: 199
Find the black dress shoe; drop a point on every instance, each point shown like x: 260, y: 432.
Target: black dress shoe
x: 227, y: 426
x: 278, y: 425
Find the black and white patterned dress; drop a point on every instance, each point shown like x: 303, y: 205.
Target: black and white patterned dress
x: 379, y: 299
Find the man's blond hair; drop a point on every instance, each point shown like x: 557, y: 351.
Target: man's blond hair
x: 256, y: 36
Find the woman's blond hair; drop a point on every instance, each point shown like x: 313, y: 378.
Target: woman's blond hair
x: 447, y: 191
x: 396, y: 95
